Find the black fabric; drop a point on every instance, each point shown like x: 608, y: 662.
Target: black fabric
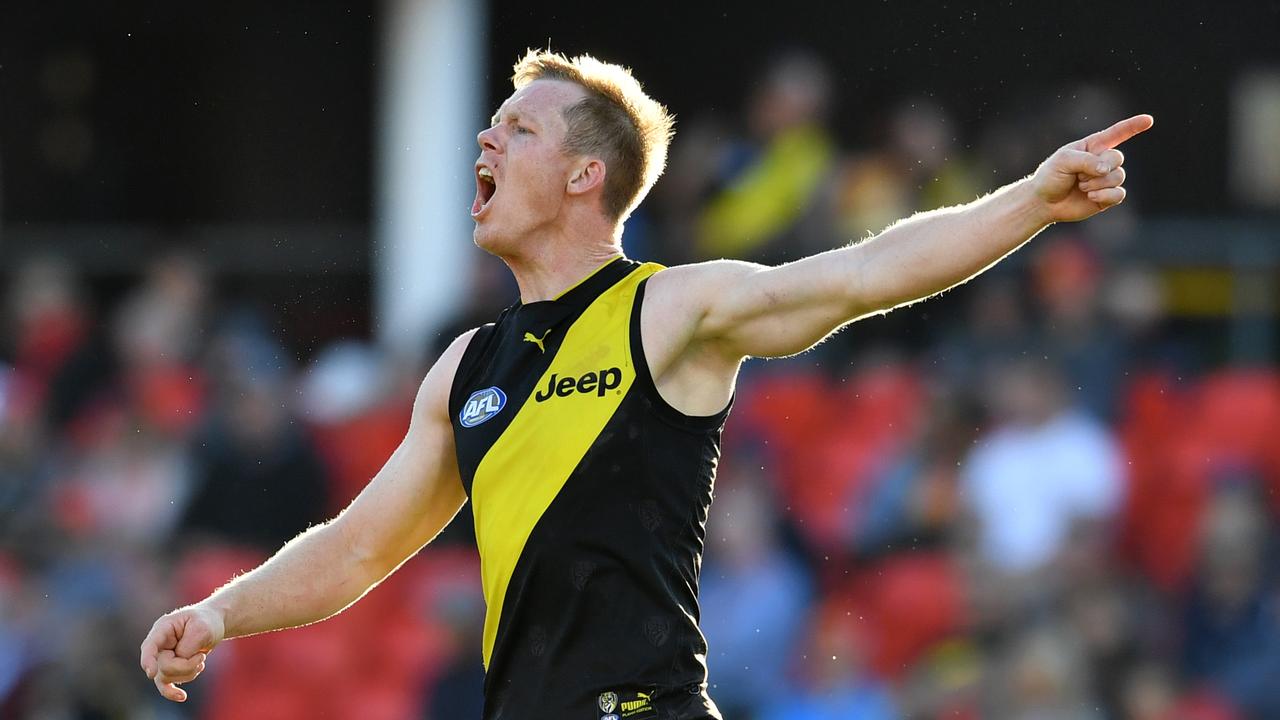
x: 604, y: 596
x: 498, y: 355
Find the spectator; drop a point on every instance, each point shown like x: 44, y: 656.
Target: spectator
x: 773, y: 183
x: 753, y: 599
x: 1044, y: 468
x: 257, y: 477
x: 1233, y: 617
x: 1042, y: 678
x: 832, y: 681
x: 919, y: 167
x: 1067, y: 276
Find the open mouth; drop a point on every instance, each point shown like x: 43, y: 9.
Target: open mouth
x: 486, y: 186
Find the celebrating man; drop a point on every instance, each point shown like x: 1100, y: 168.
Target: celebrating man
x: 584, y: 424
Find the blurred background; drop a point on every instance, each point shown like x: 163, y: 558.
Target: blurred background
x: 232, y: 239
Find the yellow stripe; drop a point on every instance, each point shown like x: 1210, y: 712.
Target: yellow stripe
x: 526, y: 468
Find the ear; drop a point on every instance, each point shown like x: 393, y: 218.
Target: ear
x: 587, y: 176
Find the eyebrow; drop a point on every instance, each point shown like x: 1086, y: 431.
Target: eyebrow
x: 515, y: 114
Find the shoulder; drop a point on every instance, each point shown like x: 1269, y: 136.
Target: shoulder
x: 704, y: 281
x: 451, y: 357
x: 710, y: 271
x: 678, y: 302
x: 433, y: 393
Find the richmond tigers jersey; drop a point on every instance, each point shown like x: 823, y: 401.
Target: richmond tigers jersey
x: 590, y: 496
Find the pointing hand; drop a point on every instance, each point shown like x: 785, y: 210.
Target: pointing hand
x: 1087, y: 176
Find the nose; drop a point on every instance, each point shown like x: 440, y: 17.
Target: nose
x: 487, y: 139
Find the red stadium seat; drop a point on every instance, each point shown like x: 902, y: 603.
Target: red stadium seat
x: 354, y: 450
x: 1179, y: 442
x: 904, y: 605
x: 827, y: 441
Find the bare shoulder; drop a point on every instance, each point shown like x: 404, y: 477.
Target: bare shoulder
x: 673, y: 320
x: 695, y: 280
x: 698, y: 293
x: 692, y: 291
x: 433, y: 394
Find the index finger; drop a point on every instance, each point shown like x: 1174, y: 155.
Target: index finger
x: 150, y: 650
x: 1118, y: 133
x: 147, y: 658
x: 170, y: 691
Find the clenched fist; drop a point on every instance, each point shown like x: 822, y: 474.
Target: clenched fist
x: 1086, y: 177
x: 175, y: 650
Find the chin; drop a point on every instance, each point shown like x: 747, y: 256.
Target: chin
x: 489, y: 240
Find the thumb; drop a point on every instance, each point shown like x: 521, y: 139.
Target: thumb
x: 195, y: 636
x: 1067, y: 160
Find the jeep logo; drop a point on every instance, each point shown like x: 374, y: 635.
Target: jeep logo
x: 600, y: 382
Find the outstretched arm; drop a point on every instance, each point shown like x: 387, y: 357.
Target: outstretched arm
x: 330, y: 566
x: 743, y: 309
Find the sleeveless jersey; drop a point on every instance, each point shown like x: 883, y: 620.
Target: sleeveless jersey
x: 590, y: 496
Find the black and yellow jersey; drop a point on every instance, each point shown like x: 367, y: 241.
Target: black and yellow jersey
x: 590, y: 496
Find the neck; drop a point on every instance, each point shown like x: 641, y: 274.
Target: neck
x: 558, y: 264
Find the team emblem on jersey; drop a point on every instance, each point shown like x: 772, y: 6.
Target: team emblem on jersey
x: 481, y: 406
x: 657, y: 630
x: 608, y: 702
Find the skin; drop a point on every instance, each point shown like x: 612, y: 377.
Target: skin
x: 698, y: 323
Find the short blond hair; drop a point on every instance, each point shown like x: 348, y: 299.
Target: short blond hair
x: 617, y: 122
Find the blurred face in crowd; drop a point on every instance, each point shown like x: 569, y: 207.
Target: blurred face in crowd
x: 1232, y: 539
x: 257, y: 415
x: 794, y: 92
x: 1025, y: 392
x: 1149, y: 693
x: 523, y: 173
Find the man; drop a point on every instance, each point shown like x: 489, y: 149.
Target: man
x: 584, y: 425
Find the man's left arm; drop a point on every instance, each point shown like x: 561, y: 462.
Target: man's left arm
x: 751, y: 310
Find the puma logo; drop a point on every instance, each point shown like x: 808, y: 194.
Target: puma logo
x: 529, y: 337
x: 630, y: 707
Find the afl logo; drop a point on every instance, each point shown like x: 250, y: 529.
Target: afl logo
x: 481, y: 406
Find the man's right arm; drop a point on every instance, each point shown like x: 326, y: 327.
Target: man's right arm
x: 330, y: 566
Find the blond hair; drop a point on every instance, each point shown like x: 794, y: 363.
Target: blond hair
x: 616, y: 121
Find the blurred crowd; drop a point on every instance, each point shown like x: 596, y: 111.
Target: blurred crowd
x: 1032, y: 498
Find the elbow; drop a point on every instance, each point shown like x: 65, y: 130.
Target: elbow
x: 861, y: 295
x: 357, y: 551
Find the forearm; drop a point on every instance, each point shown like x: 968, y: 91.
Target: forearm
x: 932, y: 251
x: 330, y: 566
x: 314, y: 576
